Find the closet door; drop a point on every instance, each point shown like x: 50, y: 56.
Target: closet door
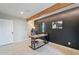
x: 6, y: 31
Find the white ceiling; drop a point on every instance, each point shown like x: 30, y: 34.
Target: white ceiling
x: 29, y: 9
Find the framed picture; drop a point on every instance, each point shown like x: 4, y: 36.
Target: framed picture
x: 57, y: 25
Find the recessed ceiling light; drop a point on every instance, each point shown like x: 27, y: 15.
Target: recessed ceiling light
x: 21, y: 12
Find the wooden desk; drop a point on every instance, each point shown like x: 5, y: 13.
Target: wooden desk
x: 33, y: 40
x: 39, y: 35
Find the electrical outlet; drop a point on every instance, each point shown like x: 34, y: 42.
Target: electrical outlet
x: 69, y: 43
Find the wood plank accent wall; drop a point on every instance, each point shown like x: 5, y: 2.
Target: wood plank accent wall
x: 49, y: 10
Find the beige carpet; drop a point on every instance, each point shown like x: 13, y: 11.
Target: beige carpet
x: 22, y: 48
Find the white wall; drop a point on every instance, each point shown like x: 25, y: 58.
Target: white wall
x: 20, y: 27
x: 20, y: 30
x: 6, y: 29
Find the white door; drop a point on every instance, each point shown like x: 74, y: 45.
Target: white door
x: 6, y: 31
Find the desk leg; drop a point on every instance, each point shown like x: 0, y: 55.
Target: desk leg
x: 33, y: 44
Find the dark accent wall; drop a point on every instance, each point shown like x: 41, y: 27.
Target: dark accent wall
x: 70, y: 31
